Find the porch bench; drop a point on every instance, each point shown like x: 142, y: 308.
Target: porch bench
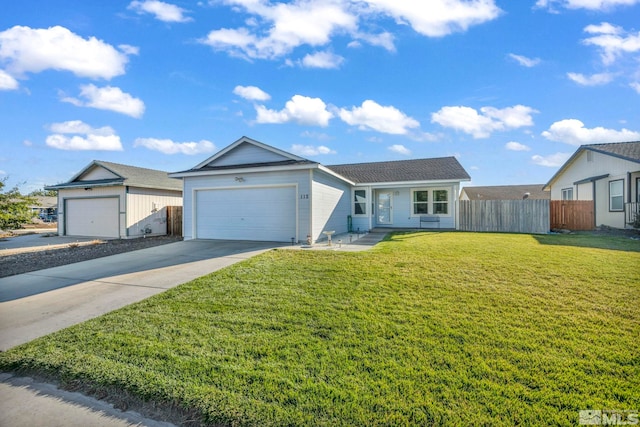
x: 435, y: 219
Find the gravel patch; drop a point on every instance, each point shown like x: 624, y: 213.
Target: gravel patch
x: 19, y: 263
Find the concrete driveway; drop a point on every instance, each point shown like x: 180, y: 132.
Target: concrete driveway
x: 38, y: 303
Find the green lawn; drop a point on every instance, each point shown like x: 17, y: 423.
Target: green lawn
x: 425, y: 329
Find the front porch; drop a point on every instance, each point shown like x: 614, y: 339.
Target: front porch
x: 632, y: 215
x: 391, y: 208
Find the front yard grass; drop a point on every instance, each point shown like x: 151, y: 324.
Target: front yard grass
x: 425, y: 329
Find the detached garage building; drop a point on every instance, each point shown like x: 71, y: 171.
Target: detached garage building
x: 111, y: 200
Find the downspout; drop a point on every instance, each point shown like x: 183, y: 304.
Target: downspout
x: 371, y: 204
x: 595, y: 211
x: 126, y: 212
x: 310, y: 233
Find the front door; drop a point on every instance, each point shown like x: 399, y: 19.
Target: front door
x: 385, y: 208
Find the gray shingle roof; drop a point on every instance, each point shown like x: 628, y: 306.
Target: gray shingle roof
x: 132, y: 176
x: 436, y: 169
x: 507, y: 192
x: 623, y: 150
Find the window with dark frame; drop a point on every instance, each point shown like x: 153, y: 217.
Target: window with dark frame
x: 440, y: 202
x: 616, y: 195
x: 360, y: 202
x: 421, y: 202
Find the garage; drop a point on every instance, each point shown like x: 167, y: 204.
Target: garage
x: 97, y: 217
x: 256, y: 213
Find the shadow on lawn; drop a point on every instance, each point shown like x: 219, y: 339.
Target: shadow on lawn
x: 630, y: 243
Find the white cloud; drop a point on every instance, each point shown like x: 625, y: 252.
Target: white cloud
x: 552, y: 160
x: 524, y: 61
x: 592, y: 80
x: 384, y: 119
x: 612, y: 41
x: 482, y: 124
x: 400, y: 149
x: 251, y: 93
x: 310, y: 150
x: 284, y: 26
x: 635, y: 86
x: 27, y: 50
x: 163, y: 11
x: 572, y: 131
x: 516, y: 146
x: 437, y: 18
x: 326, y: 60
x: 274, y: 29
x: 300, y: 109
x: 601, y: 5
x: 167, y: 146
x: 108, y: 98
x: 7, y: 82
x: 385, y: 40
x: 84, y: 137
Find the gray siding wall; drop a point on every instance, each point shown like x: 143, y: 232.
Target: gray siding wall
x: 403, y: 216
x: 331, y: 205
x: 300, y: 178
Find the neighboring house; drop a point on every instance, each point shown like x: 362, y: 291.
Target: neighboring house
x: 252, y: 191
x: 116, y: 201
x: 46, y: 208
x: 505, y: 192
x: 608, y: 175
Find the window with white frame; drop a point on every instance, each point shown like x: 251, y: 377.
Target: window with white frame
x: 359, y: 202
x: 420, y: 202
x: 616, y: 195
x: 567, y: 194
x: 430, y: 201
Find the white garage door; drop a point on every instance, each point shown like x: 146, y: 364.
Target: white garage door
x: 97, y: 217
x: 263, y: 214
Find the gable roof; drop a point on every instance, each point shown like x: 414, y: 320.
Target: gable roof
x: 622, y: 150
x: 435, y: 169
x: 276, y: 155
x: 506, y: 192
x: 246, y: 153
x: 132, y: 176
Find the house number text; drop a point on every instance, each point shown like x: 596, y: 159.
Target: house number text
x: 304, y: 196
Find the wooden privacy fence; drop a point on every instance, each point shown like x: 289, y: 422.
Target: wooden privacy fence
x: 507, y: 216
x: 174, y: 220
x: 572, y: 214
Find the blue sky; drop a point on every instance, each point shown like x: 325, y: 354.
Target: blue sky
x: 511, y: 88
